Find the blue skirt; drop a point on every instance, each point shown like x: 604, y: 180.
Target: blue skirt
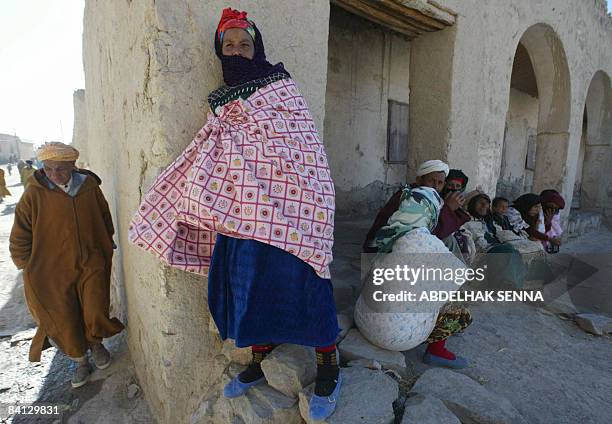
x: 259, y: 294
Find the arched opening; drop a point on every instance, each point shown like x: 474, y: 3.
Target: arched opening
x: 537, y: 122
x: 518, y: 155
x: 593, y: 179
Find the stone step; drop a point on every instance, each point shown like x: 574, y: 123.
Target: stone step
x: 290, y: 368
x: 366, y: 396
x: 422, y: 409
x: 594, y: 324
x: 355, y: 346
x: 260, y: 405
x: 466, y: 398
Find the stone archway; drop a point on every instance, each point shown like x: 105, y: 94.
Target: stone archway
x: 540, y: 82
x: 518, y: 152
x: 594, y: 179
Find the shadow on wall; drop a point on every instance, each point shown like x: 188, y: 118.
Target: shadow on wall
x: 511, y: 190
x: 363, y: 201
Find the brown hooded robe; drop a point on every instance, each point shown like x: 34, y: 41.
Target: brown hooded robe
x: 64, y: 246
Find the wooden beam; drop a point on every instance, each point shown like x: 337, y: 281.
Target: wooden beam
x: 398, y: 15
x: 374, y: 15
x: 383, y: 7
x: 417, y: 16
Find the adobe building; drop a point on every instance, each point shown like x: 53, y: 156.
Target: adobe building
x: 516, y: 93
x: 13, y: 148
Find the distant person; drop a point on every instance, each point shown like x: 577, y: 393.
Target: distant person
x: 62, y: 238
x: 499, y: 209
x: 26, y: 172
x: 552, y: 203
x: 503, y: 261
x: 525, y: 214
x: 456, y: 181
x: 9, y: 168
x: 3, y: 190
x: 449, y: 227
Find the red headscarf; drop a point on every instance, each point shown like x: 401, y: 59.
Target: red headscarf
x: 553, y: 196
x: 231, y: 18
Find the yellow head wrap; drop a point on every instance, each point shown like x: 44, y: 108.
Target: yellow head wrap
x: 57, y: 151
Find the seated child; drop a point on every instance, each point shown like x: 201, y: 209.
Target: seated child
x: 499, y: 208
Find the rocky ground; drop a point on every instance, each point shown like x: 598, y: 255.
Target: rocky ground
x: 540, y: 363
x: 529, y: 363
x: 550, y: 362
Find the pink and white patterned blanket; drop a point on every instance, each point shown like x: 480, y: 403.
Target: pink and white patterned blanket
x: 257, y: 171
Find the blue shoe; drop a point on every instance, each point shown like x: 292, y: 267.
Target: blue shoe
x: 457, y: 363
x: 237, y: 388
x: 321, y: 407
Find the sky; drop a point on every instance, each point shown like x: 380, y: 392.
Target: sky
x: 40, y: 67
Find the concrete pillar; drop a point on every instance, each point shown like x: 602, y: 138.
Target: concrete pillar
x: 551, y: 162
x: 79, y: 131
x: 595, y: 177
x: 431, y: 79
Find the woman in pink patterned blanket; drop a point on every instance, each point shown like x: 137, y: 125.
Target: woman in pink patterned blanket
x: 251, y: 202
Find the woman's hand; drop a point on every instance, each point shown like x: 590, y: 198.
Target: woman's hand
x: 454, y: 200
x: 548, y: 215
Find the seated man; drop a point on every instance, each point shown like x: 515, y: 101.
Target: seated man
x: 434, y: 174
x: 406, y: 239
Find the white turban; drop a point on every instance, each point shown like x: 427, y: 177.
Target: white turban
x: 430, y: 166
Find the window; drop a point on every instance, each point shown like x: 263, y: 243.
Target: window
x: 397, y: 132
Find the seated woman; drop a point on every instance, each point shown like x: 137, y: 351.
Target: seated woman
x: 506, y: 263
x: 254, y: 185
x: 552, y: 203
x: 524, y: 214
x: 407, y: 240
